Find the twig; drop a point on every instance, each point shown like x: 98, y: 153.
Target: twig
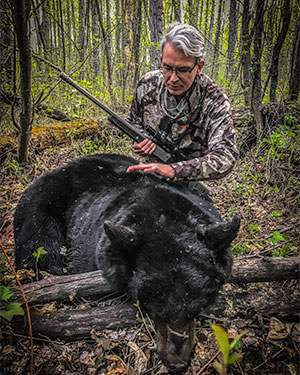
x: 208, y: 363
x: 26, y: 305
x: 268, y: 360
x: 35, y: 338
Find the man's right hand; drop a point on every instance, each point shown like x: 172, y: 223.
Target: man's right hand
x: 146, y: 147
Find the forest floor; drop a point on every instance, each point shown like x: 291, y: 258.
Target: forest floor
x: 267, y: 200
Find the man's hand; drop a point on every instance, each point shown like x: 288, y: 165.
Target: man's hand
x: 164, y: 170
x: 146, y: 147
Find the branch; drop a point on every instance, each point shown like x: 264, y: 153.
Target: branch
x: 245, y: 270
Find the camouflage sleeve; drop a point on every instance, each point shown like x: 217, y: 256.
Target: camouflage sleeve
x: 222, y: 151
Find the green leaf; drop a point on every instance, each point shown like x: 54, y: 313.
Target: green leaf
x: 235, y: 357
x: 219, y: 367
x: 12, y: 309
x: 40, y: 251
x: 5, y: 293
x: 222, y: 341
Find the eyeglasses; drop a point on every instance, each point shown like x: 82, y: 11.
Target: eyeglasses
x: 180, y: 72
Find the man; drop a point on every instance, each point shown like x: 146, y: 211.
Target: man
x: 186, y: 104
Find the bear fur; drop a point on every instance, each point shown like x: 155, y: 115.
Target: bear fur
x: 153, y: 238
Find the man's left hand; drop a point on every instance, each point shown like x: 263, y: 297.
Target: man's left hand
x: 164, y: 170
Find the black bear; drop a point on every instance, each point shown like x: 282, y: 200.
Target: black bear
x: 165, y: 246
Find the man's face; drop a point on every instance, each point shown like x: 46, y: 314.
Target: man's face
x: 176, y: 82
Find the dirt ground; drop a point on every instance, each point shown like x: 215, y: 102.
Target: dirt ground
x: 270, y: 344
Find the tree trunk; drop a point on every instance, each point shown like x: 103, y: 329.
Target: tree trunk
x: 82, y: 38
x: 215, y: 63
x: 118, y: 38
x: 21, y: 12
x: 232, y: 37
x: 137, y: 30
x: 193, y: 12
x: 176, y: 4
x: 6, y: 46
x: 155, y: 24
x: 95, y: 38
x: 245, y: 53
x: 211, y: 24
x: 294, y: 81
x: 106, y: 45
x: 201, y: 15
x: 256, y: 92
x: 285, y: 18
x: 206, y: 21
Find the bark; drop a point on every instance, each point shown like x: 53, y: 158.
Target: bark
x: 211, y: 24
x: 245, y: 270
x: 106, y: 45
x: 286, y: 17
x: 155, y: 24
x: 21, y: 13
x: 201, y: 15
x: 193, y: 12
x: 82, y: 35
x: 118, y: 37
x: 232, y: 37
x: 137, y: 30
x: 248, y: 270
x: 294, y: 82
x: 71, y: 324
x: 62, y: 33
x: 256, y: 92
x: 215, y: 66
x: 176, y: 4
x: 206, y: 20
x: 95, y: 37
x: 6, y: 46
x: 77, y: 324
x: 245, y: 53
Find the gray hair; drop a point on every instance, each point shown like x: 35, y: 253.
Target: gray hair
x: 186, y: 38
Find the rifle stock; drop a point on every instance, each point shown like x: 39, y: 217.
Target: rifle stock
x: 160, y: 153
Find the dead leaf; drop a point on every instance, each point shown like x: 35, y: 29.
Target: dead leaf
x: 140, y: 360
x: 278, y: 330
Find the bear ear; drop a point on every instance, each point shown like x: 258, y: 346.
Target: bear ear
x: 220, y: 235
x: 120, y: 234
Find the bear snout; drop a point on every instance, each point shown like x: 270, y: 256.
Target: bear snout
x: 175, y: 345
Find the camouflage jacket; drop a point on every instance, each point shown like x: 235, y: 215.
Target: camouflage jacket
x: 199, y: 122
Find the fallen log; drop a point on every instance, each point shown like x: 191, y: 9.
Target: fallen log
x: 76, y: 323
x: 245, y: 270
x: 249, y: 270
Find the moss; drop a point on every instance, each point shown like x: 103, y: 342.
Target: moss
x: 62, y: 132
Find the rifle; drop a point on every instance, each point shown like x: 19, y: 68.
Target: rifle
x: 165, y: 150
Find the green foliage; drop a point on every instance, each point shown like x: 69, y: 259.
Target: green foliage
x: 108, y: 143
x: 241, y: 248
x: 253, y: 229
x: 8, y: 309
x: 15, y: 168
x: 225, y: 347
x: 11, y: 309
x: 277, y: 237
x: 37, y: 254
x: 283, y: 144
x: 276, y: 214
x: 281, y: 245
